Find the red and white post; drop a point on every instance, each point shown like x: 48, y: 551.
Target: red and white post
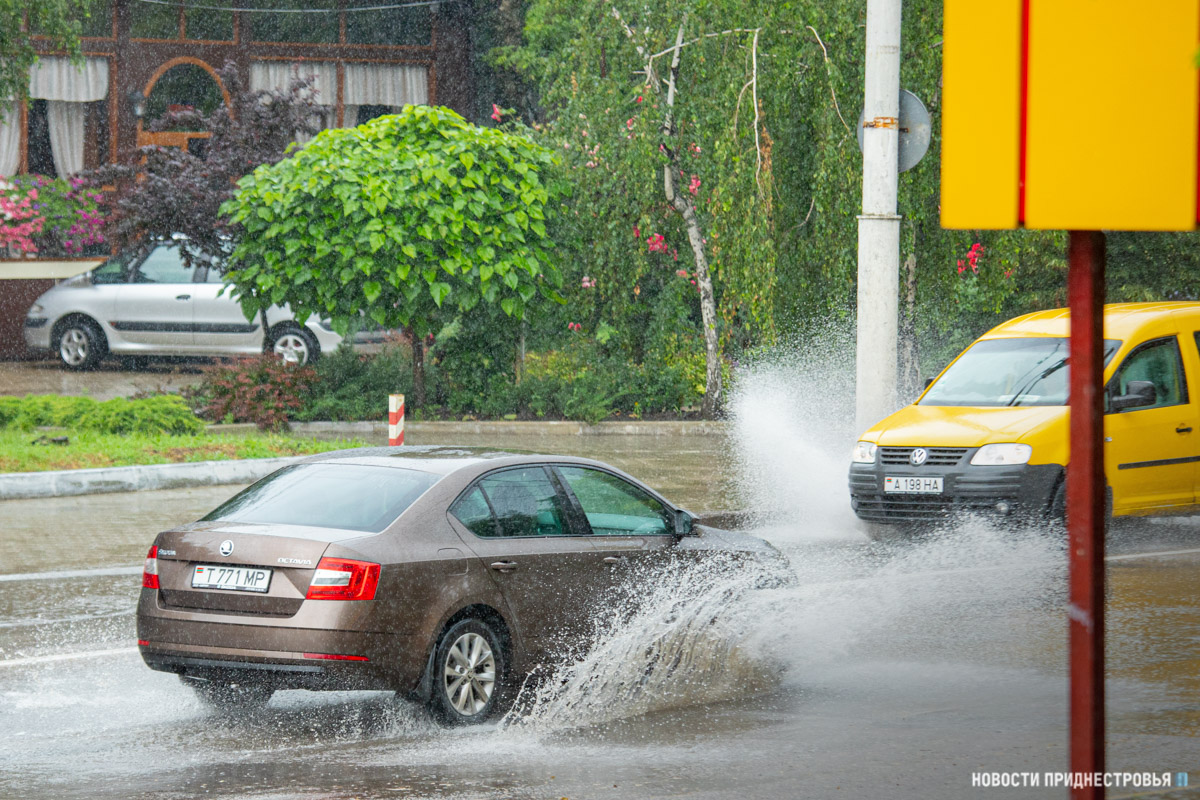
x: 395, y: 419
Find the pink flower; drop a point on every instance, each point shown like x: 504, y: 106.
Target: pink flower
x: 574, y: 326
x: 656, y: 243
x: 496, y: 112
x: 588, y: 283
x: 694, y: 186
x: 683, y: 273
x: 591, y: 165
x: 629, y: 123
x: 636, y: 233
x: 585, y: 133
x: 639, y: 99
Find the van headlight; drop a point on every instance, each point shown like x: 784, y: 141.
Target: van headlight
x: 1002, y: 455
x: 35, y: 309
x: 864, y: 453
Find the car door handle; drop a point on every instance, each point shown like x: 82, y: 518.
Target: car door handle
x: 1184, y: 429
x: 183, y: 297
x: 614, y: 559
x: 504, y: 566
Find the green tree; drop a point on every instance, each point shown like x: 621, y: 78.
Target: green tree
x: 58, y: 20
x: 398, y: 219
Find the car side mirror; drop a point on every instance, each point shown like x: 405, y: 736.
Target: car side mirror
x: 683, y: 523
x: 928, y: 382
x: 1138, y: 394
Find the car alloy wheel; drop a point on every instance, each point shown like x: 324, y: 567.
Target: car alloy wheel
x: 80, y: 346
x: 294, y: 346
x: 469, y: 667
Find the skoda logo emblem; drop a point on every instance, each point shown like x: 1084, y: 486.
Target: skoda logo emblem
x: 227, y: 545
x: 917, y: 458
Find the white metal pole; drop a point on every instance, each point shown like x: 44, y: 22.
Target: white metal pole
x: 879, y: 225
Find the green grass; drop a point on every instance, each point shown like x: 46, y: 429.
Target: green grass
x: 19, y: 453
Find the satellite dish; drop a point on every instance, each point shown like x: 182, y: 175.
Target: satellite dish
x: 915, y: 129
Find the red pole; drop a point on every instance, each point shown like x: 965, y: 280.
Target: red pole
x: 1086, y: 509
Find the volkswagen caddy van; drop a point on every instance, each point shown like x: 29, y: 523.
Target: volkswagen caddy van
x: 990, y: 434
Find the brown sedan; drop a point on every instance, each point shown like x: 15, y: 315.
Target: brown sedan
x: 443, y: 573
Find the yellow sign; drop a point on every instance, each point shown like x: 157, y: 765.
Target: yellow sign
x: 1070, y: 114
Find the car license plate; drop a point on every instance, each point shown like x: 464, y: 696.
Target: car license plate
x: 240, y: 579
x: 910, y: 485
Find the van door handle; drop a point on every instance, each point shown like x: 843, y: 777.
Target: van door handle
x: 504, y: 566
x: 1183, y: 429
x: 183, y: 297
x: 614, y: 559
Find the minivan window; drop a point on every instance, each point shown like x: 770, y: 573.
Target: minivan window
x: 327, y: 495
x: 163, y: 265
x: 1157, y: 362
x: 1027, y: 371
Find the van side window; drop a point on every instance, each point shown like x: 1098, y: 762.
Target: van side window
x: 1159, y: 363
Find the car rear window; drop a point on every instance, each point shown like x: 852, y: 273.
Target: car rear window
x: 327, y: 495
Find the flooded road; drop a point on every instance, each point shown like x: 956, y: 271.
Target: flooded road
x: 897, y: 670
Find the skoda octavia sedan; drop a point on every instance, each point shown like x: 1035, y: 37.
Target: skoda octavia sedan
x: 445, y: 574
x: 149, y: 303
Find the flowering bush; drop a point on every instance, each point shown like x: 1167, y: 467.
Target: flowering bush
x: 49, y: 217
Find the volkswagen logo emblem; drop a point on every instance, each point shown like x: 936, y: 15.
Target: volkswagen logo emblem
x: 917, y: 458
x: 227, y: 545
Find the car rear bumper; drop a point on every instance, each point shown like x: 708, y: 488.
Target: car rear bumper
x: 1023, y: 492
x: 279, y: 653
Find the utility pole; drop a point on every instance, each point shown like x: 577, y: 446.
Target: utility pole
x: 879, y: 224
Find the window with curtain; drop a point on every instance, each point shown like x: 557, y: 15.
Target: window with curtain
x: 278, y: 76
x: 385, y: 88
x: 62, y: 99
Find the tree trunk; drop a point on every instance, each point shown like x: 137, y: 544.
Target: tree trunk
x: 262, y: 318
x: 910, y: 373
x: 687, y: 209
x: 418, y: 365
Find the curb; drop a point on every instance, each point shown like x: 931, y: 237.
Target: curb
x: 72, y: 482
x: 495, y: 428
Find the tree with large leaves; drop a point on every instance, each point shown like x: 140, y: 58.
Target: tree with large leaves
x: 400, y: 218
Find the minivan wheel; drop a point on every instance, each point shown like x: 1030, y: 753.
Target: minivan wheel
x: 468, y: 678
x: 81, y: 345
x: 229, y: 696
x: 295, y: 345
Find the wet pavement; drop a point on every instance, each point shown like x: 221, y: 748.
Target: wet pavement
x: 885, y: 670
x: 111, y: 379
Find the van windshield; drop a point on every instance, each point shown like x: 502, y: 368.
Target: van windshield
x: 1009, y: 372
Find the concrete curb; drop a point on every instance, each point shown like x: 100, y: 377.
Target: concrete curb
x: 496, y: 428
x: 71, y: 482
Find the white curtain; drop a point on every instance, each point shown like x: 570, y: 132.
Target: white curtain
x: 66, y: 88
x: 66, y: 122
x: 10, y: 140
x: 392, y: 85
x: 278, y: 75
x: 58, y: 79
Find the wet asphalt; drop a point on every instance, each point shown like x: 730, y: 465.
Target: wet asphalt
x: 884, y: 671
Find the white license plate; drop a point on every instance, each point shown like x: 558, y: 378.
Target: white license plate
x: 910, y: 485
x: 240, y: 579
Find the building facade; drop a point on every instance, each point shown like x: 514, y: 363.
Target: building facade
x: 143, y: 58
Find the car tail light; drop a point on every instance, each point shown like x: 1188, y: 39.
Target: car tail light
x: 343, y: 579
x: 150, y: 572
x: 335, y: 657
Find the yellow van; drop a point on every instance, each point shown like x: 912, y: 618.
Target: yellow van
x: 990, y: 434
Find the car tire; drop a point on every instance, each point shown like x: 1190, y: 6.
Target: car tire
x: 229, y: 696
x: 469, y: 670
x: 81, y: 345
x: 295, y: 345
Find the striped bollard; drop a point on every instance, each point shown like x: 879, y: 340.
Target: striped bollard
x: 395, y: 419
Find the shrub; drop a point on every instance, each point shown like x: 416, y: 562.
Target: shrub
x: 349, y: 386
x: 262, y: 390
x: 161, y: 414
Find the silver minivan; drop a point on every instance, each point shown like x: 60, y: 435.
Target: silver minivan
x: 150, y: 303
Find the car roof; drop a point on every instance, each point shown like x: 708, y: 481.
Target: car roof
x: 1121, y: 320
x: 443, y: 459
